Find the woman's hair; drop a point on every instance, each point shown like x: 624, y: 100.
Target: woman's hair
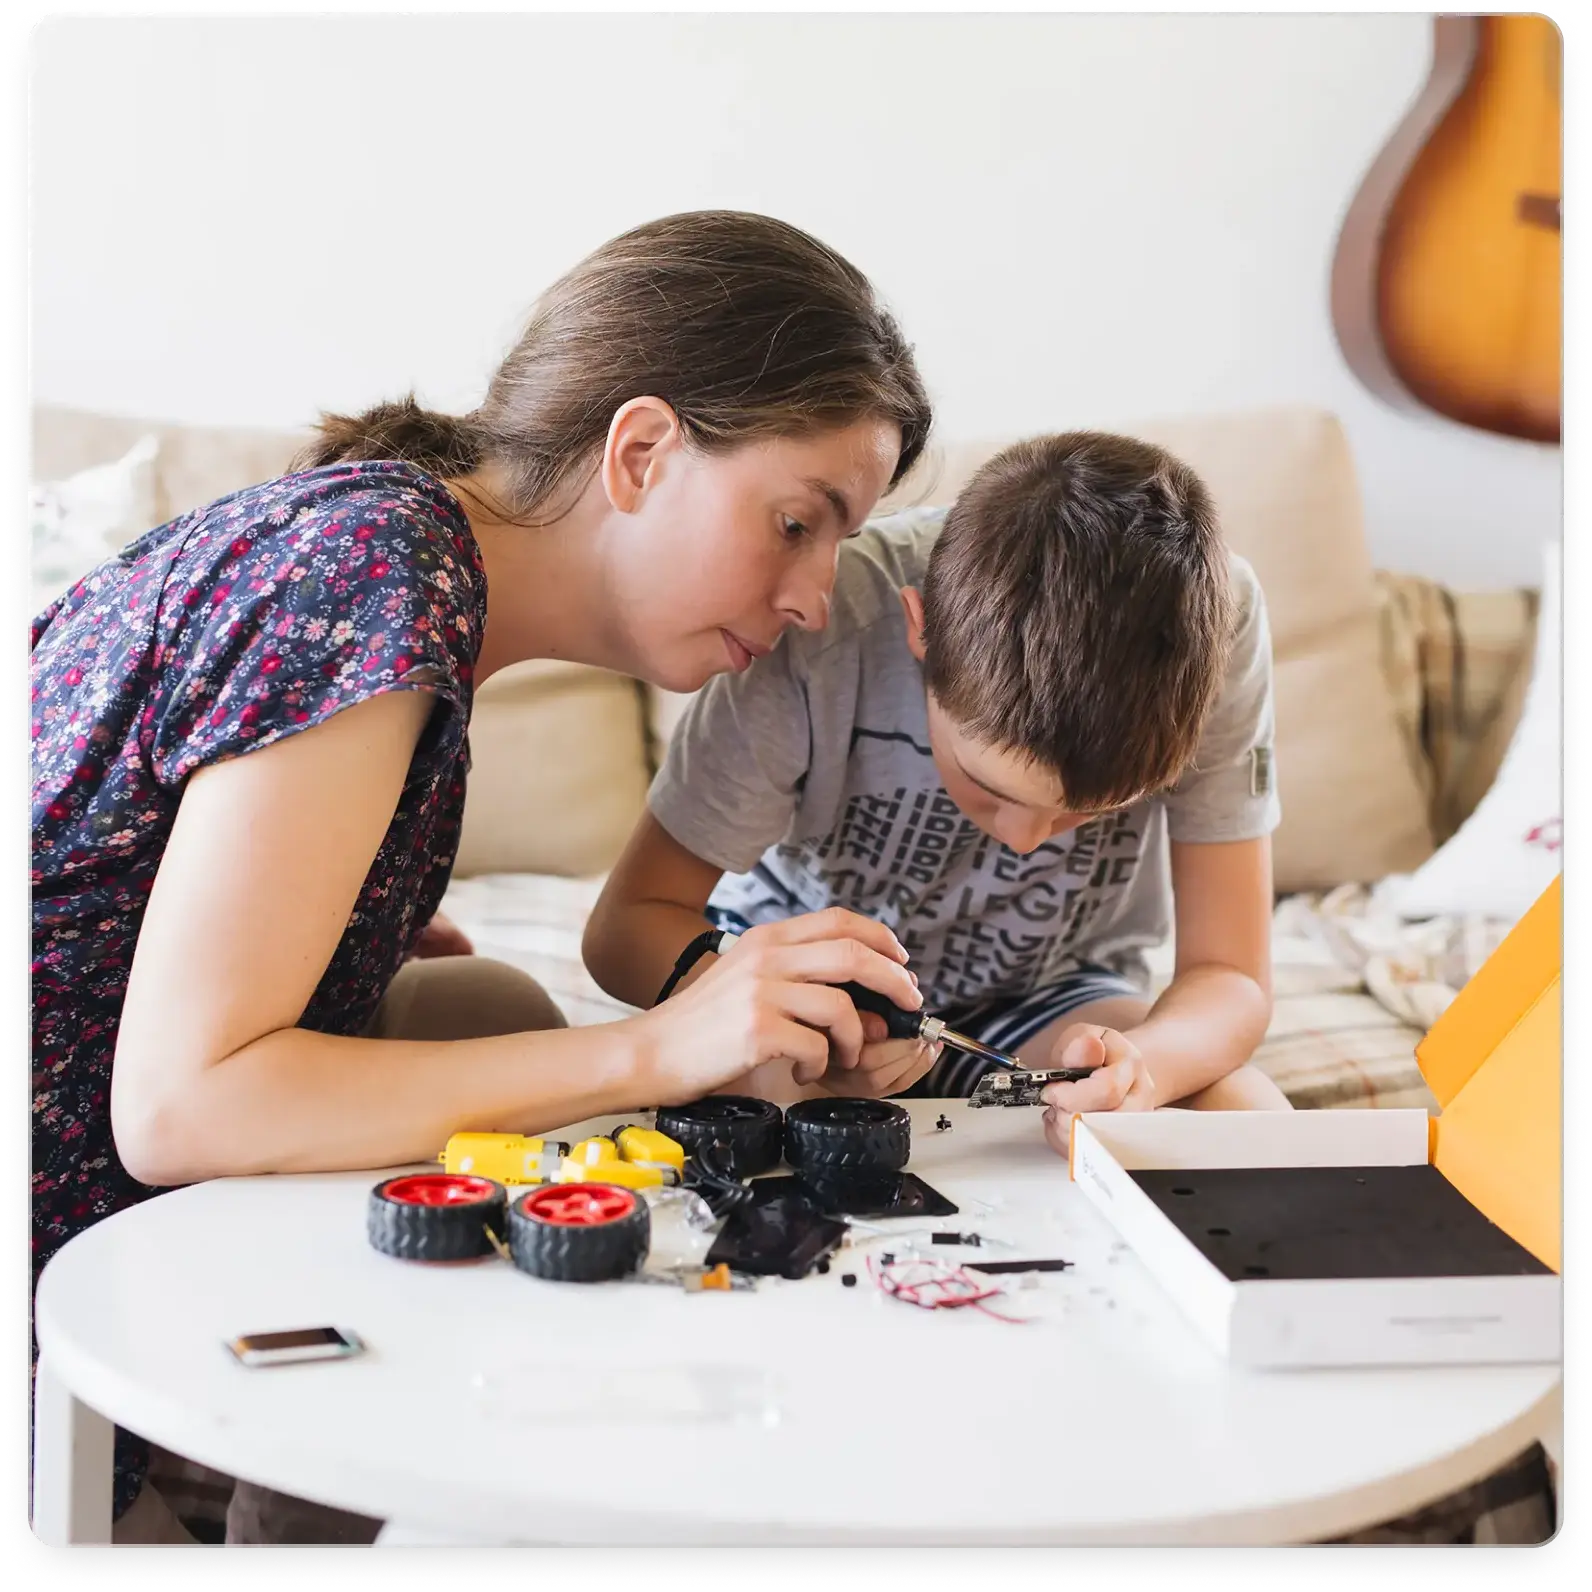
x: 746, y: 327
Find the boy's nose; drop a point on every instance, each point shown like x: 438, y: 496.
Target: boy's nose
x: 1024, y: 837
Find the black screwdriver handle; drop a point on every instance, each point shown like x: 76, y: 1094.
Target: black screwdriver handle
x: 898, y: 1023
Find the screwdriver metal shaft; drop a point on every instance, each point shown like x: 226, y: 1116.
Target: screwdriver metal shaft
x: 900, y: 1024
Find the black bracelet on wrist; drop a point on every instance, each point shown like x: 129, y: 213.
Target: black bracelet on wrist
x: 710, y: 940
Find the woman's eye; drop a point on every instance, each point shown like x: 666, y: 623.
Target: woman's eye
x: 792, y: 530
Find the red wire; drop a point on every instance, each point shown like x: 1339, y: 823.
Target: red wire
x: 941, y: 1276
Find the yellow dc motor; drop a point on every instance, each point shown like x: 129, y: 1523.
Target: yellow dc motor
x: 633, y: 1158
x: 507, y: 1158
x: 647, y: 1144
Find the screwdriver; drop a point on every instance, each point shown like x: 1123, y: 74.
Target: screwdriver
x: 902, y: 1024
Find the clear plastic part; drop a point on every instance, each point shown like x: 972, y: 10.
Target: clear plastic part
x: 683, y: 1226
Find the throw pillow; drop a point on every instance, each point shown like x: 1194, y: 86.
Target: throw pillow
x: 81, y: 521
x: 1508, y: 851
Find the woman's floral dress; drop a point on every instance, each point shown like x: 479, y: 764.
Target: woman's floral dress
x: 210, y: 637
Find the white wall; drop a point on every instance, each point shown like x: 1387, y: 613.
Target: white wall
x: 1079, y: 219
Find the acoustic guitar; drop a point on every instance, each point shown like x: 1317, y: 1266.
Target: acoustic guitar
x: 1446, y: 280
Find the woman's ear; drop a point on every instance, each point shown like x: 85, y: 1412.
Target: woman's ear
x: 642, y: 431
x: 912, y: 606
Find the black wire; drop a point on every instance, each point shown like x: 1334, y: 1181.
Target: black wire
x: 709, y: 1174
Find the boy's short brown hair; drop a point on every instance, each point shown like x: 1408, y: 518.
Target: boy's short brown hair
x: 1077, y: 610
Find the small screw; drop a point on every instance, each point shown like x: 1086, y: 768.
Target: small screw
x: 944, y: 1123
x: 848, y: 1279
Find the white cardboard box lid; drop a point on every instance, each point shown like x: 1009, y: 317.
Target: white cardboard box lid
x: 1142, y: 1141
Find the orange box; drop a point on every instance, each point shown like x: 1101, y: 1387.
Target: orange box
x: 1494, y: 1060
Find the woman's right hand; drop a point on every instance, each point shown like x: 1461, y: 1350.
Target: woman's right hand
x: 772, y: 997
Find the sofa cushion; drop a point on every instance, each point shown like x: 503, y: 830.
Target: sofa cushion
x: 1353, y: 802
x: 558, y: 775
x: 195, y: 464
x: 86, y: 517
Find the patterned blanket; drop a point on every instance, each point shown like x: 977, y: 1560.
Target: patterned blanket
x: 1412, y: 969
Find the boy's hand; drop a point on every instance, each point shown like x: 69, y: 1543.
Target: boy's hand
x: 1121, y: 1080
x: 885, y: 1066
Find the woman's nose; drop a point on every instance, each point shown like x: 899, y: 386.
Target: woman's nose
x: 805, y: 598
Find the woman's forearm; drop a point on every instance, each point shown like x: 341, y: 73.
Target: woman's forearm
x: 1206, y: 1024
x: 298, y: 1101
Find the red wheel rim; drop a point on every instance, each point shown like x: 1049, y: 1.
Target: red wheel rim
x: 579, y: 1204
x: 438, y: 1188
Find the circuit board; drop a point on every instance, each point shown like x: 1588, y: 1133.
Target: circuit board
x: 1022, y: 1088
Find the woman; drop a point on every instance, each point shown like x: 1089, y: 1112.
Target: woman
x: 657, y: 483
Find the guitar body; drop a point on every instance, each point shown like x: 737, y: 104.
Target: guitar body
x: 1446, y: 284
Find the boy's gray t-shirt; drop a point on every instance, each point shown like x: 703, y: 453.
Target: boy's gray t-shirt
x: 809, y: 780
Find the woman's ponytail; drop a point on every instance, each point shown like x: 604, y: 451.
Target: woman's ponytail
x: 443, y: 444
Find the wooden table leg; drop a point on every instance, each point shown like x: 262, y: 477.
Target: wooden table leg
x: 72, y: 1464
x: 1552, y: 1439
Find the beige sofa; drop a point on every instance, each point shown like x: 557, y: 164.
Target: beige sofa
x: 1379, y: 756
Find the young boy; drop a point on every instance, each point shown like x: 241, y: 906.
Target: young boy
x: 1034, y: 737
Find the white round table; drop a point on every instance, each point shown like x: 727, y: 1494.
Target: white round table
x: 491, y: 1406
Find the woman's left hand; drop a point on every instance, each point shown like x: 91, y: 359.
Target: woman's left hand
x: 1120, y: 1081
x: 442, y: 937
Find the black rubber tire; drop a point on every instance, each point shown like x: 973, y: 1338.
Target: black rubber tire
x: 599, y: 1252
x: 851, y: 1135
x: 748, y: 1134
x: 407, y: 1230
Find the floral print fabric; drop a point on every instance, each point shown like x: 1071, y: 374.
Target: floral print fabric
x: 212, y: 636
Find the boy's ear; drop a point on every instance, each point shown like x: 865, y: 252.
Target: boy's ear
x: 912, y: 605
